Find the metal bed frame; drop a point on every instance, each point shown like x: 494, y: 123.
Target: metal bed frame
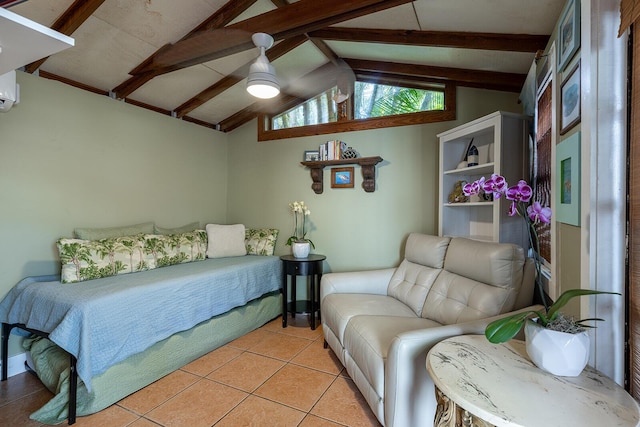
x: 73, y: 378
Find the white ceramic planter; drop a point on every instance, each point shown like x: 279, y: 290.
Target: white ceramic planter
x: 300, y: 249
x: 558, y: 353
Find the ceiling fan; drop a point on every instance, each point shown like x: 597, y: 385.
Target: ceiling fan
x: 262, y: 81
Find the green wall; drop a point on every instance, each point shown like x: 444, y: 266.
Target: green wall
x: 70, y: 158
x: 355, y: 229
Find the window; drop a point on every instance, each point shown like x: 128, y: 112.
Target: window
x: 320, y: 109
x: 374, y: 104
x: 379, y: 100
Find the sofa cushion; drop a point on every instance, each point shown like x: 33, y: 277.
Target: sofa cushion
x: 110, y: 232
x: 192, y: 226
x: 426, y: 250
x: 497, y: 264
x: 367, y: 339
x: 454, y: 299
x: 411, y: 283
x: 338, y: 309
x: 480, y: 279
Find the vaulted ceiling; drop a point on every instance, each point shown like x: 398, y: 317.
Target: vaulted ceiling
x: 190, y: 58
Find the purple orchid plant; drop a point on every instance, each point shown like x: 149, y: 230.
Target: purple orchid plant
x: 520, y: 196
x: 504, y: 329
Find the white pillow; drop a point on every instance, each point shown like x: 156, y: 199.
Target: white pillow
x: 225, y: 240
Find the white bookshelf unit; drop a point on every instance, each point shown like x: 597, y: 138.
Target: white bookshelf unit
x: 502, y: 142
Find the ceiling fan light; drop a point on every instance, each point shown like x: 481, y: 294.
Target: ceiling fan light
x: 264, y: 90
x: 262, y: 81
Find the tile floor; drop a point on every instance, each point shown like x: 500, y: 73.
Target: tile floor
x: 269, y: 377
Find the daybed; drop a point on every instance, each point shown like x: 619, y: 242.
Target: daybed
x: 122, y: 332
x: 382, y: 323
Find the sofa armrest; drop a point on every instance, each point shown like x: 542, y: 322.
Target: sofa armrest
x: 356, y: 282
x: 406, y: 378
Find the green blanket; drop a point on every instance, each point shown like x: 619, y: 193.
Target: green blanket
x: 51, y: 363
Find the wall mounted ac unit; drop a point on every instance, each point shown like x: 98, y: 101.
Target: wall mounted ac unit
x: 9, y: 91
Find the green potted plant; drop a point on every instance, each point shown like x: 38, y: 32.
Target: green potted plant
x: 544, y: 329
x: 300, y: 245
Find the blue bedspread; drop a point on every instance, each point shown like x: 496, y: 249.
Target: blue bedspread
x: 103, y: 321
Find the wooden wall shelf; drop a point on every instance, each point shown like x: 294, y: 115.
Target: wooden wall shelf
x: 368, y: 165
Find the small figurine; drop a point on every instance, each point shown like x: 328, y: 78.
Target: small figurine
x: 457, y: 195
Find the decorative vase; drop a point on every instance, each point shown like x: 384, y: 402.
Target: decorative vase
x: 349, y: 153
x: 559, y: 353
x: 301, y: 249
x: 472, y: 156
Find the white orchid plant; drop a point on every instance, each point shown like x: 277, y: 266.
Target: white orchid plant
x: 300, y: 214
x: 504, y: 329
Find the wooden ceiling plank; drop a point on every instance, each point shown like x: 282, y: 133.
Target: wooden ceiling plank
x: 227, y: 13
x: 68, y: 22
x: 288, y: 21
x: 462, y: 40
x: 236, y: 76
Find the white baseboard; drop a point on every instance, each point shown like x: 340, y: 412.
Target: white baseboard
x: 15, y: 364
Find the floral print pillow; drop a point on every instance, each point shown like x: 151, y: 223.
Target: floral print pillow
x: 93, y: 259
x: 260, y: 241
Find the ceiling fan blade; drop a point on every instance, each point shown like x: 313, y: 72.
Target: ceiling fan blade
x: 313, y: 83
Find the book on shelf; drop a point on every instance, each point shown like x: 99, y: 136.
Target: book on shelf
x: 332, y: 150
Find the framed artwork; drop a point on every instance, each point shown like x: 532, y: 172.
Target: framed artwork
x: 568, y: 180
x: 570, y: 100
x: 311, y: 156
x: 568, y: 33
x: 342, y: 177
x: 541, y: 166
x: 542, y: 71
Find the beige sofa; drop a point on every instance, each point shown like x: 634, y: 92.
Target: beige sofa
x: 382, y: 323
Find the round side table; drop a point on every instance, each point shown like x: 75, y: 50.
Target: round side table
x: 311, y: 267
x: 483, y: 384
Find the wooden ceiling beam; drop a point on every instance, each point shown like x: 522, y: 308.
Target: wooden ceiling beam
x: 236, y: 76
x: 477, y: 78
x: 462, y: 40
x: 92, y: 89
x: 68, y: 22
x: 287, y: 21
x: 252, y: 111
x: 227, y: 13
x: 427, y: 83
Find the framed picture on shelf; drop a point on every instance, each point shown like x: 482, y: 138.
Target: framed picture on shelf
x: 568, y: 33
x: 342, y: 177
x: 568, y: 172
x: 311, y: 156
x: 570, y: 100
